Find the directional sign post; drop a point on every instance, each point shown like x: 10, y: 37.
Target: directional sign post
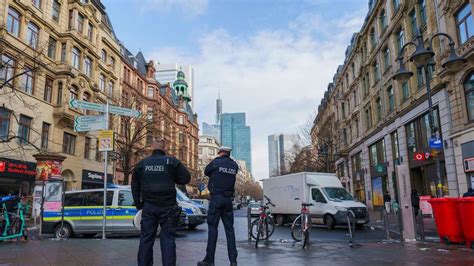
x: 124, y: 111
x: 87, y: 105
x: 89, y: 123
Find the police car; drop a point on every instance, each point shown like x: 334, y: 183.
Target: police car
x: 83, y: 213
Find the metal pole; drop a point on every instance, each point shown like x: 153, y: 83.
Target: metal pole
x: 249, y: 223
x: 41, y: 208
x: 104, y: 214
x: 386, y: 223
x: 434, y: 130
x: 62, y: 203
x: 421, y: 224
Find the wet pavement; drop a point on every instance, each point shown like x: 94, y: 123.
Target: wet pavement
x: 123, y: 252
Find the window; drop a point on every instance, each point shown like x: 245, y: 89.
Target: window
x: 353, y: 71
x: 125, y: 198
x: 420, y: 78
x: 56, y: 10
x: 52, y: 48
x: 74, y: 199
x: 396, y: 5
x: 32, y: 35
x: 354, y: 98
x: 464, y: 23
x: 48, y: 90
x: 24, y: 127
x: 90, y: 32
x: 391, y: 100
x: 98, y: 154
x: 365, y: 83
x: 102, y: 82
x: 88, y: 66
x: 112, y: 61
x: 386, y: 58
x: 63, y: 52
x: 422, y: 4
x: 400, y: 40
x: 395, y: 147
x: 405, y: 91
x: 87, y: 148
x: 357, y: 127
x: 343, y: 110
x: 317, y: 196
x: 376, y: 71
x: 383, y: 21
x: 28, y: 80
x: 8, y: 69
x: 379, y: 109
x: 36, y: 3
x: 96, y: 198
x: 413, y: 24
x: 373, y: 40
x: 69, y: 143
x: 59, y: 99
x: 45, y: 135
x: 87, y: 98
x: 80, y: 23
x: 75, y: 57
x: 103, y: 56
x: 4, y: 122
x: 368, y: 117
x: 73, y: 93
x: 13, y: 22
x: 469, y: 94
x: 71, y: 22
x: 150, y: 92
x: 111, y: 88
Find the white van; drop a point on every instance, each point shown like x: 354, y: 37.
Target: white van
x: 331, y: 200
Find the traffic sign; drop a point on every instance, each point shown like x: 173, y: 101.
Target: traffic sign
x: 436, y: 143
x: 124, y: 111
x: 90, y: 123
x: 87, y: 105
x: 106, y: 140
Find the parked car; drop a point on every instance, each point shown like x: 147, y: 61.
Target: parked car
x: 237, y: 205
x: 195, y: 212
x: 203, y: 202
x: 254, y: 208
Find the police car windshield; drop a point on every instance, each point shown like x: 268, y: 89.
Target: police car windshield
x: 181, y: 196
x: 337, y: 193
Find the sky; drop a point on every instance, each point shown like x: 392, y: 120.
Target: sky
x: 271, y: 59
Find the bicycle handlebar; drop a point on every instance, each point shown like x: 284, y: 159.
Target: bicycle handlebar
x: 269, y: 201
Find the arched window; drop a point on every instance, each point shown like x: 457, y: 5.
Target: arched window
x: 103, y: 56
x: 383, y: 21
x: 76, y: 55
x: 13, y: 22
x: 469, y: 93
x: 32, y: 35
x: 73, y: 93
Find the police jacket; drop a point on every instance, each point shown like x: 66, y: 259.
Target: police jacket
x: 154, y: 180
x: 222, y: 172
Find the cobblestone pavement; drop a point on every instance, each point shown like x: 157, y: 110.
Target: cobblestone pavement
x: 123, y: 252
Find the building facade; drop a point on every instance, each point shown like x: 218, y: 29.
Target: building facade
x: 236, y: 134
x: 282, y: 149
x: 55, y: 51
x: 373, y: 126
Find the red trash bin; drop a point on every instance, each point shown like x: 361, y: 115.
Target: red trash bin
x: 466, y: 212
x: 448, y: 221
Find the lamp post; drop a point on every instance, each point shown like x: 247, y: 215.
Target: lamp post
x: 422, y: 57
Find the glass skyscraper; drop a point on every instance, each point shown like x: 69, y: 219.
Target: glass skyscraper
x: 235, y: 134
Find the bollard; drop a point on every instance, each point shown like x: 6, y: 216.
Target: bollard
x: 386, y: 224
x: 421, y: 225
x: 351, y: 227
x: 249, y: 223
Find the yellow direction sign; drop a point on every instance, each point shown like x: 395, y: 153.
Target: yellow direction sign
x: 106, y: 140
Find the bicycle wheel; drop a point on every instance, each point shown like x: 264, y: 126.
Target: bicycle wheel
x: 259, y: 233
x: 296, y: 229
x: 271, y: 226
x: 254, y: 229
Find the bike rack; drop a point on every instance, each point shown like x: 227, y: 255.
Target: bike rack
x: 351, y: 227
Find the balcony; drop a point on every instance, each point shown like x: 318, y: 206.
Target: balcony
x: 64, y: 115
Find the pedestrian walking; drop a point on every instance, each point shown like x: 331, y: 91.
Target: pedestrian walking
x: 469, y: 193
x: 154, y: 190
x: 388, y: 201
x: 415, y: 201
x: 222, y: 173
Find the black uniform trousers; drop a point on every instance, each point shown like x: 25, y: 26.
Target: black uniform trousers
x: 167, y: 218
x: 220, y: 207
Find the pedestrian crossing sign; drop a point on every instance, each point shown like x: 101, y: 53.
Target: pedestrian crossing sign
x: 106, y: 140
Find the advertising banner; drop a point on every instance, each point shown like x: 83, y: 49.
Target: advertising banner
x: 48, y: 169
x: 377, y: 191
x: 53, y: 196
x: 425, y: 206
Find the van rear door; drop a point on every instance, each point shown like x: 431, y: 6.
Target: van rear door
x: 91, y: 213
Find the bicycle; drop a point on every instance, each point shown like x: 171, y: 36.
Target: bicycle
x: 301, y: 226
x: 264, y: 226
x: 12, y: 223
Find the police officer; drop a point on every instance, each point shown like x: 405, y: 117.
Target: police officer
x: 222, y: 173
x: 154, y: 191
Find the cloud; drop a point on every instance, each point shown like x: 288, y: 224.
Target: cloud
x: 276, y: 76
x: 187, y: 7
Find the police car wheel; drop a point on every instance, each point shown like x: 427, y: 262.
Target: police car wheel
x: 62, y: 233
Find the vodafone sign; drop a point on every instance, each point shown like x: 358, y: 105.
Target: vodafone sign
x: 421, y: 156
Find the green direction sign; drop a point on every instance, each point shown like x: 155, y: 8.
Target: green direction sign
x: 124, y: 111
x: 89, y: 123
x: 87, y: 105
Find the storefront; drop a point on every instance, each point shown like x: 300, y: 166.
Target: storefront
x: 468, y: 159
x: 17, y: 177
x: 358, y: 178
x: 378, y: 172
x: 92, y: 179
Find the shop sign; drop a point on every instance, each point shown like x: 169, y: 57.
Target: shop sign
x: 436, y: 143
x: 96, y: 177
x: 49, y: 169
x: 380, y: 168
x: 17, y: 169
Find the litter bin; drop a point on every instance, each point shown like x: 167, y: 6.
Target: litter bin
x: 448, y: 221
x: 466, y: 212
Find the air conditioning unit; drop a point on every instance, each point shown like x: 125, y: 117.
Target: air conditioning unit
x: 469, y: 165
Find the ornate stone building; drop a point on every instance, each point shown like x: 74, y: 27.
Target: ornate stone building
x: 372, y: 125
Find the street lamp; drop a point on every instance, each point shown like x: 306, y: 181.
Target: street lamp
x: 422, y: 57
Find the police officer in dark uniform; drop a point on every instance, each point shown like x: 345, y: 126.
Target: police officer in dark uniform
x: 154, y: 191
x: 222, y: 173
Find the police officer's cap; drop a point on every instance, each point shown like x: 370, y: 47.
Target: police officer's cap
x: 225, y: 149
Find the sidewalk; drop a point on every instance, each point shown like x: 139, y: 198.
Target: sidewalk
x: 123, y: 252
